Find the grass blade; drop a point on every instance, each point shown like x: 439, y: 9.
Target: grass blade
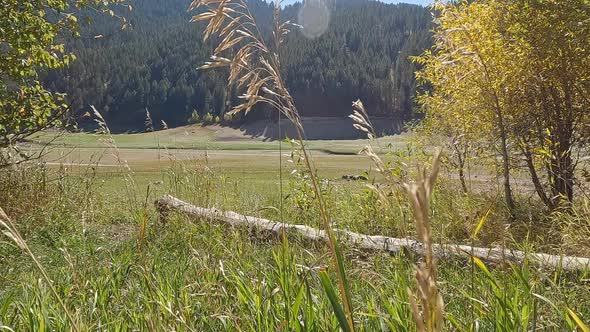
x: 578, y: 320
x: 482, y: 221
x: 331, y: 292
x: 484, y: 268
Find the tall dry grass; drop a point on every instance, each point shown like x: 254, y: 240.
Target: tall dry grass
x: 428, y: 311
x: 254, y: 64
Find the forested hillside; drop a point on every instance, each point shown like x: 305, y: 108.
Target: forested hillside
x: 153, y: 63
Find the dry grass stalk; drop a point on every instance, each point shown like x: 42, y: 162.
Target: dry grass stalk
x: 255, y: 65
x: 130, y: 184
x: 102, y: 124
x: 429, y: 315
x: 384, y: 191
x: 363, y: 123
x: 110, y: 141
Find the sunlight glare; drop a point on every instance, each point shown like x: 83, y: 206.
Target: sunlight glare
x: 314, y: 17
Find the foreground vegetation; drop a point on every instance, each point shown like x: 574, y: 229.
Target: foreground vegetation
x: 117, y: 268
x: 83, y: 249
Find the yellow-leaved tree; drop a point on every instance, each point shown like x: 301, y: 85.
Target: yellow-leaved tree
x: 468, y: 76
x: 550, y: 41
x: 513, y: 75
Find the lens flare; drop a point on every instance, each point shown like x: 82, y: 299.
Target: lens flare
x: 314, y: 17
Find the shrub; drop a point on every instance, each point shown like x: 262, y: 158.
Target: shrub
x: 208, y: 118
x: 194, y: 118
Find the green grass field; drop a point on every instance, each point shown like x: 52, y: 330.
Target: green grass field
x: 223, y: 149
x: 198, y: 137
x: 90, y: 221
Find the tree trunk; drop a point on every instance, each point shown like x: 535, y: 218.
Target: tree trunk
x: 168, y: 203
x: 505, y: 159
x: 528, y: 156
x: 461, y: 160
x: 561, y: 169
x: 561, y: 165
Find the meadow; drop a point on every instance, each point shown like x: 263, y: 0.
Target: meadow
x: 87, y: 244
x: 88, y: 217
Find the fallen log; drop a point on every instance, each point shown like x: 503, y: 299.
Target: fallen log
x: 169, y: 203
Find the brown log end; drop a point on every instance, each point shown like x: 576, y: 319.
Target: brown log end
x: 163, y: 209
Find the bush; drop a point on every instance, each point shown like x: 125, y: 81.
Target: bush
x: 208, y: 118
x: 24, y: 188
x: 194, y: 118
